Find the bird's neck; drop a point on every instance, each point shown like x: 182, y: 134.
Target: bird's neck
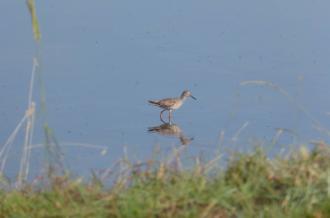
x: 182, y: 97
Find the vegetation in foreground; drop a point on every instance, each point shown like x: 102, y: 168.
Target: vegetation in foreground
x: 251, y: 186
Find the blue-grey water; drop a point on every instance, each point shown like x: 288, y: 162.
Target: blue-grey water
x: 102, y: 60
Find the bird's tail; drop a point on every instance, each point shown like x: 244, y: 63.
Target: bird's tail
x: 154, y: 129
x: 153, y: 102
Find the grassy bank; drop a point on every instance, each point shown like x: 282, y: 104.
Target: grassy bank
x: 251, y: 186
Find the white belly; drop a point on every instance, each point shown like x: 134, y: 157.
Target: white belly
x: 176, y: 105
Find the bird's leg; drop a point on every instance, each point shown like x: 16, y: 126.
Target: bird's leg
x: 160, y: 116
x: 170, y: 116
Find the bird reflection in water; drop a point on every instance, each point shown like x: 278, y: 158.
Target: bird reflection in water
x: 171, y: 129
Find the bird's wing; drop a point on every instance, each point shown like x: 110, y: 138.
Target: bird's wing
x: 167, y: 102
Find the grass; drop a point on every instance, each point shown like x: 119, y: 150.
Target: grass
x: 252, y: 185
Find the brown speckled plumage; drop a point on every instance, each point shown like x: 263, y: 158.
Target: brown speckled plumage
x: 171, y: 104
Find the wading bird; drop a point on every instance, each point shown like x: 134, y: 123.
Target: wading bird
x: 171, y: 104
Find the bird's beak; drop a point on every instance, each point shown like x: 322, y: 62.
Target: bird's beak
x: 193, y: 97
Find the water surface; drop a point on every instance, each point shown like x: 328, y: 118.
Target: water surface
x: 101, y: 61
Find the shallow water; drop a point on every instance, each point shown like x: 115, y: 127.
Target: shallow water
x: 101, y: 61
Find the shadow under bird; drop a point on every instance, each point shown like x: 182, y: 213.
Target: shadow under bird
x: 171, y: 104
x: 167, y: 129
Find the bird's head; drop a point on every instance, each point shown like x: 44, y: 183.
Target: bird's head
x: 186, y: 94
